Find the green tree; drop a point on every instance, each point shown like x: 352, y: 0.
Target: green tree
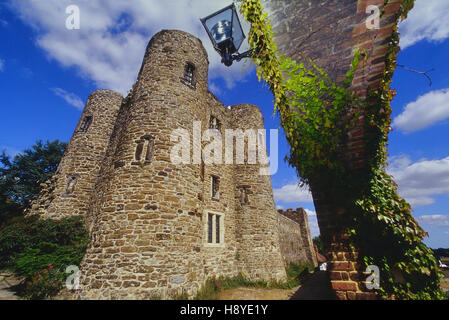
x: 319, y: 243
x: 21, y: 177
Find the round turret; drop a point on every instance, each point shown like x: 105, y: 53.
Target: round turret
x: 147, y: 207
x: 69, y: 191
x: 257, y: 219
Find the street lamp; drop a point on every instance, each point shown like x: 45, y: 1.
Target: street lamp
x: 226, y: 33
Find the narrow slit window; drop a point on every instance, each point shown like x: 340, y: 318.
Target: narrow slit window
x: 87, y: 121
x: 150, y: 147
x: 210, y: 229
x: 139, y: 150
x: 215, y: 188
x: 217, y: 228
x: 70, y: 185
x: 190, y: 70
x: 214, y: 123
x: 144, y: 149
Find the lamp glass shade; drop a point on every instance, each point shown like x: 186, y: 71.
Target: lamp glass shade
x: 237, y: 32
x: 224, y: 30
x: 219, y: 25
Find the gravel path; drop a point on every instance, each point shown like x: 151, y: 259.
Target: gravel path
x: 314, y: 287
x: 7, y: 283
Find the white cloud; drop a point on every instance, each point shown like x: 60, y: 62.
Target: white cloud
x: 437, y: 220
x: 428, y: 20
x: 313, y: 223
x: 70, y: 98
x: 279, y: 207
x: 427, y: 110
x: 2, y: 65
x: 110, y: 45
x: 214, y: 88
x: 419, y: 182
x: 310, y: 213
x: 292, y: 193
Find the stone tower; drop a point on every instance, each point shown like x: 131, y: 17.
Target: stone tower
x: 258, y: 235
x: 161, y: 228
x: 69, y: 191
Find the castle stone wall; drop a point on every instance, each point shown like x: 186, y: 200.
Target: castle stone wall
x: 299, y: 216
x: 69, y: 191
x: 291, y: 241
x: 148, y: 216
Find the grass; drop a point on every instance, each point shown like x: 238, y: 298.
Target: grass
x: 446, y: 295
x: 181, y: 296
x: 213, y: 286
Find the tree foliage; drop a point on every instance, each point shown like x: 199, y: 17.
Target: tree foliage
x: 21, y: 177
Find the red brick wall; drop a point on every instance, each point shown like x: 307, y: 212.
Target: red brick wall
x: 329, y: 32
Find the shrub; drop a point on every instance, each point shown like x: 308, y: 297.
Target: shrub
x: 44, y: 284
x: 40, y: 250
x: 32, y: 233
x: 32, y: 260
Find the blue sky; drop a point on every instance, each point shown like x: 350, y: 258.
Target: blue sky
x: 47, y: 73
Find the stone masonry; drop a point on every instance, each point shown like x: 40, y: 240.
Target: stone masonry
x: 69, y: 191
x: 158, y: 228
x: 294, y: 228
x: 329, y: 32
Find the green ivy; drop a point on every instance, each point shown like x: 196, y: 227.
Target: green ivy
x: 316, y: 135
x: 315, y: 116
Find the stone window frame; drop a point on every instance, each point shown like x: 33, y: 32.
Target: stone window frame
x: 218, y: 123
x: 193, y: 70
x: 244, y: 193
x: 214, y: 215
x: 86, y: 123
x: 70, y: 178
x: 215, y: 196
x: 144, y: 150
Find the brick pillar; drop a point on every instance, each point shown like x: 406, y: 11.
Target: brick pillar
x: 329, y: 32
x: 346, y: 274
